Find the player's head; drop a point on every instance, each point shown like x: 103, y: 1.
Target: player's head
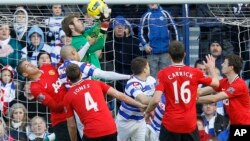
x: 26, y: 69
x: 176, y: 51
x: 199, y: 64
x: 43, y: 58
x: 232, y: 63
x: 69, y: 53
x: 73, y: 73
x: 139, y: 65
x: 72, y: 25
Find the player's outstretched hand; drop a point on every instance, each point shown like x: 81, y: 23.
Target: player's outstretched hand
x: 210, y: 62
x: 105, y: 13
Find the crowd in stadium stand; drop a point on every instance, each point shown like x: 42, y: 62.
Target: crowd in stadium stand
x: 35, y: 76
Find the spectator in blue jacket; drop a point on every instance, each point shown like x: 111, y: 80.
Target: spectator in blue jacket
x: 156, y: 30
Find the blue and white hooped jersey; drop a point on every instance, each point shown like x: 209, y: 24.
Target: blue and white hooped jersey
x: 133, y: 88
x: 55, y: 26
x: 155, y: 125
x: 86, y: 69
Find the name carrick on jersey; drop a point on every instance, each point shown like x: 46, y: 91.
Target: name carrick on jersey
x: 48, y: 88
x: 87, y: 99
x: 86, y: 69
x: 238, y: 103
x: 180, y: 83
x: 134, y: 87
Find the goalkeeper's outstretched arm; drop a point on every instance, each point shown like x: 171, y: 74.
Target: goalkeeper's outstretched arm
x: 110, y: 75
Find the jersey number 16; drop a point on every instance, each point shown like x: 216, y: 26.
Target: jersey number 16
x: 184, y: 92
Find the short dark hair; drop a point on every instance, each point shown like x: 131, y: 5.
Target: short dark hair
x: 199, y: 61
x: 176, y: 51
x: 69, y: 21
x: 73, y: 72
x: 235, y: 61
x: 41, y: 53
x: 138, y: 64
x: 200, y: 118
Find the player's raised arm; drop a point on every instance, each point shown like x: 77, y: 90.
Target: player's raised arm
x: 122, y: 97
x: 212, y: 98
x: 210, y: 66
x: 110, y: 75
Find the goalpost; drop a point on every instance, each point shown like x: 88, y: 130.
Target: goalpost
x: 123, y: 2
x: 226, y: 18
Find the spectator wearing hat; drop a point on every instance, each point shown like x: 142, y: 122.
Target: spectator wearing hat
x: 36, y: 43
x: 123, y: 48
x: 7, y: 88
x: 156, y: 30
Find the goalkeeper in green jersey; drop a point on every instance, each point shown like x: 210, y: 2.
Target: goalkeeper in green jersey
x: 87, y: 42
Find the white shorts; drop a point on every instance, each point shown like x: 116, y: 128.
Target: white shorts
x: 150, y: 135
x: 130, y: 130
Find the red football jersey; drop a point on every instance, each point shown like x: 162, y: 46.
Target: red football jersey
x: 49, y: 88
x: 238, y: 103
x: 180, y: 83
x: 87, y: 99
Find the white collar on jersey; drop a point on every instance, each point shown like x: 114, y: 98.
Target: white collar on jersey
x: 235, y: 78
x: 178, y: 64
x: 76, y: 83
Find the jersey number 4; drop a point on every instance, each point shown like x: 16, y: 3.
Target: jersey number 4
x: 184, y: 92
x: 89, y: 102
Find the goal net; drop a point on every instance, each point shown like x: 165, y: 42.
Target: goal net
x: 237, y: 17
x: 229, y: 23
